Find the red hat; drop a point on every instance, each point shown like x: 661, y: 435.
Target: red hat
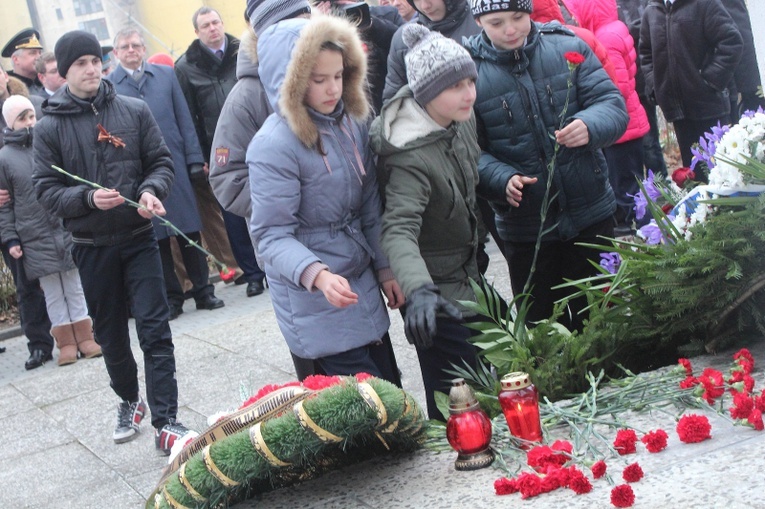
x: 161, y: 59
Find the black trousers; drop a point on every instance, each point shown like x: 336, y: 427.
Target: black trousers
x: 625, y: 170
x: 195, y: 262
x: 450, y: 348
x: 241, y: 247
x: 130, y: 274
x: 377, y: 360
x: 557, y: 261
x: 33, y: 313
x: 653, y: 156
x: 689, y: 131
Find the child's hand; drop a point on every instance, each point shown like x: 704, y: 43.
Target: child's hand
x: 336, y: 289
x: 573, y: 135
x: 16, y: 252
x: 152, y: 204
x: 393, y: 294
x: 514, y: 189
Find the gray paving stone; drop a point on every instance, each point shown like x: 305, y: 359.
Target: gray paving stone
x: 28, y: 432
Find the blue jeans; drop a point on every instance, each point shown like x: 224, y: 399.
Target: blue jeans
x: 129, y: 273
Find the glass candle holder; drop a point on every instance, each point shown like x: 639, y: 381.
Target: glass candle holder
x: 520, y: 404
x: 468, y: 429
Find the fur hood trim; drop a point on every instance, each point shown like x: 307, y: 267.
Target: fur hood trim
x: 17, y: 87
x: 248, y: 44
x: 319, y: 30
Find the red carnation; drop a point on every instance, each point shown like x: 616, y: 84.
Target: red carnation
x: 712, y: 381
x: 666, y: 208
x: 578, y: 482
x: 598, y: 469
x: 625, y: 441
x: 622, y: 496
x: 632, y: 473
x: 755, y: 419
x: 363, y: 377
x: 743, y: 404
x: 689, y: 382
x: 530, y: 485
x: 759, y: 401
x: 553, y: 481
x: 505, y: 486
x: 686, y: 364
x: 542, y: 458
x: 227, y: 274
x: 682, y: 175
x: 655, y: 441
x: 265, y: 391
x: 744, y: 353
x: 574, y: 58
x: 319, y: 382
x: 693, y: 428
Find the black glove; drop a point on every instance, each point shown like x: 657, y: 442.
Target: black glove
x: 197, y: 172
x: 750, y: 101
x: 420, y: 317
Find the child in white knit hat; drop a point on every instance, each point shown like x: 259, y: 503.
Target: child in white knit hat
x: 425, y: 137
x: 38, y: 239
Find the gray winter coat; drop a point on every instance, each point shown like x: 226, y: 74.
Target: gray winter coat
x: 457, y: 24
x: 520, y: 95
x: 159, y: 88
x: 44, y: 242
x: 243, y: 114
x: 308, y: 208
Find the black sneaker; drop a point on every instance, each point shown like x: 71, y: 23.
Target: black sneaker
x: 129, y: 417
x: 165, y: 437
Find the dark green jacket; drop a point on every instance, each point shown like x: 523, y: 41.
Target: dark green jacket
x: 428, y: 176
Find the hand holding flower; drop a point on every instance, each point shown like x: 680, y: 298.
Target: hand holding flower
x: 105, y: 199
x: 573, y: 135
x: 152, y: 206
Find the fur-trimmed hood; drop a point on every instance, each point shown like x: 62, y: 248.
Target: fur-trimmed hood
x: 17, y: 87
x: 247, y: 59
x: 287, y: 52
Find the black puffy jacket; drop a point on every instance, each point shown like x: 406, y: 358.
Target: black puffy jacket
x: 688, y: 55
x: 206, y: 81
x: 67, y: 136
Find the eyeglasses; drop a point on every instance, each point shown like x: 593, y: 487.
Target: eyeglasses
x: 124, y: 47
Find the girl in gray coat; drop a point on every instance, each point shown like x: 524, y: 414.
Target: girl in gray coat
x: 316, y: 208
x: 39, y: 239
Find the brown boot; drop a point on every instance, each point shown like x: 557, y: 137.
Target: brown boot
x: 83, y: 334
x: 64, y: 336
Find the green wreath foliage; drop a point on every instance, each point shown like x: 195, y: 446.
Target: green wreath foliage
x: 339, y: 409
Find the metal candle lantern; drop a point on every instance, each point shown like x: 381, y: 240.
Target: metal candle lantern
x: 520, y: 404
x: 468, y: 429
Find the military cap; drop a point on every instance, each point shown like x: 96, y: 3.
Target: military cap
x: 29, y: 38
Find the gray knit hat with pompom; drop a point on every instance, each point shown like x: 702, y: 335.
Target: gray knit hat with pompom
x: 434, y: 63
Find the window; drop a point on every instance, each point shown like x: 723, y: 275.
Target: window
x: 82, y: 7
x: 96, y: 27
x: 59, y: 14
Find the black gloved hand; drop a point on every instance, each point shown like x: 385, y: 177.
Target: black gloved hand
x: 197, y: 172
x: 422, y: 306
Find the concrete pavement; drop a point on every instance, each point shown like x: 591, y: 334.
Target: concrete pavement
x: 56, y: 449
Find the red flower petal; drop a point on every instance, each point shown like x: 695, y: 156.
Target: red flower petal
x: 505, y: 486
x: 625, y: 441
x: 573, y: 57
x: 632, y: 473
x: 755, y: 419
x: 693, y: 428
x: 655, y: 441
x: 622, y: 496
x: 598, y: 469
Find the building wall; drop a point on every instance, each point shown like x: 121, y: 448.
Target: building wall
x: 757, y: 16
x: 12, y: 20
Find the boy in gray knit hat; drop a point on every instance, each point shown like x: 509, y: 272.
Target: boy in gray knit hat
x: 425, y: 137
x: 264, y: 13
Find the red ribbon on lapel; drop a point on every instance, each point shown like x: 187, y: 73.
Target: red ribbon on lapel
x: 103, y: 135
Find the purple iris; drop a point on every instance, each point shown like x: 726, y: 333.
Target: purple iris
x: 652, y: 233
x: 610, y: 261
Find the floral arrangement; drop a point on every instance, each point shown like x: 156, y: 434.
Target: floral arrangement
x: 321, y: 424
x: 578, y: 466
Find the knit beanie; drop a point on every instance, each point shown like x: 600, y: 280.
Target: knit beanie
x: 481, y: 7
x: 14, y: 106
x: 434, y: 62
x: 73, y: 45
x: 264, y: 13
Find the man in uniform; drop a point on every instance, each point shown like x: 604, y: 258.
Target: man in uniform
x: 24, y: 49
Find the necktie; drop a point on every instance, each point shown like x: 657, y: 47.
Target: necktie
x: 219, y: 54
x: 138, y: 74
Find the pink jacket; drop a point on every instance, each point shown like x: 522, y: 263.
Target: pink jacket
x: 600, y: 16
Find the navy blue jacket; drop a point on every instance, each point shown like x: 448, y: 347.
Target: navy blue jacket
x: 520, y: 96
